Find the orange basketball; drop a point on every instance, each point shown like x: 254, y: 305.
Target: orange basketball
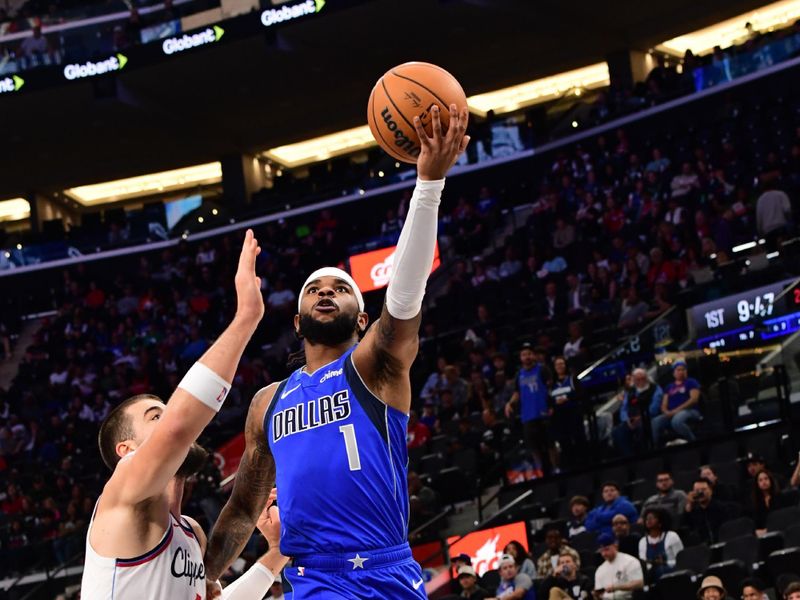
x: 407, y: 91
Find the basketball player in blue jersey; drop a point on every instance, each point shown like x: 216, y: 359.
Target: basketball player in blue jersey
x: 334, y: 433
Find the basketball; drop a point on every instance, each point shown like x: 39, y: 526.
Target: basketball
x: 407, y: 91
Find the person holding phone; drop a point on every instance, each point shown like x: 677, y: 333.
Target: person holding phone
x: 566, y: 582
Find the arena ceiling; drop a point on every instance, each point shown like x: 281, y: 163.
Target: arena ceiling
x: 314, y: 77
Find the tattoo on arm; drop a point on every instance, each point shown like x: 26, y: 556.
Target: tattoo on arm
x: 251, y: 489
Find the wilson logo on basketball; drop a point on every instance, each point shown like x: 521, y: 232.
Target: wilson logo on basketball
x: 401, y: 140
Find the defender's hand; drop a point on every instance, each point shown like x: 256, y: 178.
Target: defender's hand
x: 269, y: 521
x: 440, y: 152
x: 250, y: 302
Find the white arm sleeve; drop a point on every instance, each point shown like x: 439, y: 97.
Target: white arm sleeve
x: 254, y: 583
x: 414, y: 255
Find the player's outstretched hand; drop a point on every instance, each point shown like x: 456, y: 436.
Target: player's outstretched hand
x: 269, y: 521
x: 441, y: 151
x: 250, y: 302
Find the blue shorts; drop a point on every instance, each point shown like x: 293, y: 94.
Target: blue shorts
x: 388, y: 573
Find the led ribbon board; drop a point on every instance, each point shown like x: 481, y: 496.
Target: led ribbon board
x: 92, y: 69
x: 173, y: 45
x: 291, y: 12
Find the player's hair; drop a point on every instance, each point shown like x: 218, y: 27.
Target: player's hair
x: 117, y: 427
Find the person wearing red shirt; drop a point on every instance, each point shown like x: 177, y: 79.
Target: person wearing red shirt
x: 661, y: 271
x: 418, y: 433
x: 614, y: 217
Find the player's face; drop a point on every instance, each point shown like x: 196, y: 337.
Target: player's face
x: 144, y: 416
x: 329, y: 312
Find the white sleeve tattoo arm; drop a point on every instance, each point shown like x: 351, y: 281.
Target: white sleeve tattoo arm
x: 415, y: 248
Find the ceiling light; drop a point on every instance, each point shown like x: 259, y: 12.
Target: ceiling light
x: 540, y: 90
x: 322, y: 148
x: 14, y: 209
x: 144, y: 185
x: 732, y: 31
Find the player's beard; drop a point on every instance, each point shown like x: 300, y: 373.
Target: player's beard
x: 328, y: 333
x: 194, y: 461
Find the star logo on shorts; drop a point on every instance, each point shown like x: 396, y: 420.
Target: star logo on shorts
x: 358, y: 562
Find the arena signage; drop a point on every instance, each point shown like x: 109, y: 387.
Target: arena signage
x: 372, y: 270
x: 291, y: 12
x: 173, y: 45
x: 485, y: 547
x: 91, y: 69
x: 11, y: 84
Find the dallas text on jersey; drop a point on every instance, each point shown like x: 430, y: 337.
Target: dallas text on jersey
x: 310, y: 415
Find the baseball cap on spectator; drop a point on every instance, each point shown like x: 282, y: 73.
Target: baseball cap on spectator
x: 507, y: 559
x: 526, y: 346
x: 579, y: 500
x: 464, y: 557
x: 466, y: 570
x: 606, y: 539
x: 678, y: 363
x: 754, y: 457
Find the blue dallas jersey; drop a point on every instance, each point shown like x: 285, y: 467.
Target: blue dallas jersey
x: 341, y: 460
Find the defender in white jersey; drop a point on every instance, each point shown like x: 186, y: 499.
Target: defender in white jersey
x: 138, y: 546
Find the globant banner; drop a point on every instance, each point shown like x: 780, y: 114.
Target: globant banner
x: 91, y: 69
x: 372, y: 270
x: 290, y: 12
x: 173, y: 45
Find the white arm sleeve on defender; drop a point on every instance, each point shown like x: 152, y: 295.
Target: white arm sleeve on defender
x: 414, y: 255
x: 254, y: 583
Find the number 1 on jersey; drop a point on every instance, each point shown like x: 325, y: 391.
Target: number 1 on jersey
x: 350, y: 444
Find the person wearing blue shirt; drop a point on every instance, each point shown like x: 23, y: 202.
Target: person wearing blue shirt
x: 678, y: 406
x: 600, y: 517
x: 640, y: 403
x: 532, y: 398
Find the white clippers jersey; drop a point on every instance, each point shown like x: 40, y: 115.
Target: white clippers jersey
x: 173, y: 570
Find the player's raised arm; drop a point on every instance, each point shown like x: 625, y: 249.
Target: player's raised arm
x: 251, y: 489
x: 146, y: 472
x: 385, y: 355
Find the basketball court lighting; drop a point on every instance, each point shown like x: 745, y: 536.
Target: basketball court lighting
x: 145, y: 185
x: 727, y: 33
x: 14, y: 209
x: 500, y: 101
x: 540, y: 90
x: 743, y: 247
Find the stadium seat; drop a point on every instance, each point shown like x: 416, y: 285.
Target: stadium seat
x: 546, y: 493
x: 729, y: 473
x: 641, y: 490
x: 438, y: 444
x: 618, y: 474
x: 694, y: 558
x: 647, y: 468
x: 744, y: 549
x: 678, y: 584
x: 414, y: 457
x: 687, y: 459
x: 770, y: 542
x: 490, y: 580
x: 684, y: 480
x: 586, y: 540
x: 736, y: 528
x: 465, y: 460
x: 791, y: 536
x: 582, y: 484
x: 432, y: 463
x: 782, y: 519
x: 765, y: 444
x: 723, y: 452
x: 731, y: 572
x: 784, y: 561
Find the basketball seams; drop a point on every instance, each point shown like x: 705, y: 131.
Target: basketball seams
x: 386, y: 145
x: 397, y: 108
x: 424, y: 87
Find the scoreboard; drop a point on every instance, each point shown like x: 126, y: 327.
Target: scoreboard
x: 747, y: 319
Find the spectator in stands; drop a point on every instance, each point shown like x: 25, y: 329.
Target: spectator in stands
x: 704, y: 514
x: 457, y: 385
x: 555, y: 545
x: 276, y: 589
x: 600, y: 517
x: 524, y: 562
x: 468, y: 581
x: 792, y: 591
x: 723, y: 492
x: 36, y: 45
x: 531, y: 398
x: 640, y: 402
x: 685, y: 182
x: 669, y: 499
x: 574, y: 347
x: 627, y: 541
x: 436, y: 381
x: 418, y: 433
x: 765, y: 498
x: 677, y: 404
x: 566, y: 582
x: 659, y: 547
x: 754, y: 589
x: 567, y: 410
x: 553, y: 305
x: 513, y: 585
x: 773, y: 212
x: 281, y: 299
x: 423, y: 503
x: 391, y: 226
x: 619, y: 575
x: 634, y: 310
x: 578, y: 510
x: 712, y: 589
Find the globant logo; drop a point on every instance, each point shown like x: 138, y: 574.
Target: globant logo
x: 11, y: 84
x: 173, y: 45
x: 288, y: 13
x: 90, y: 69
